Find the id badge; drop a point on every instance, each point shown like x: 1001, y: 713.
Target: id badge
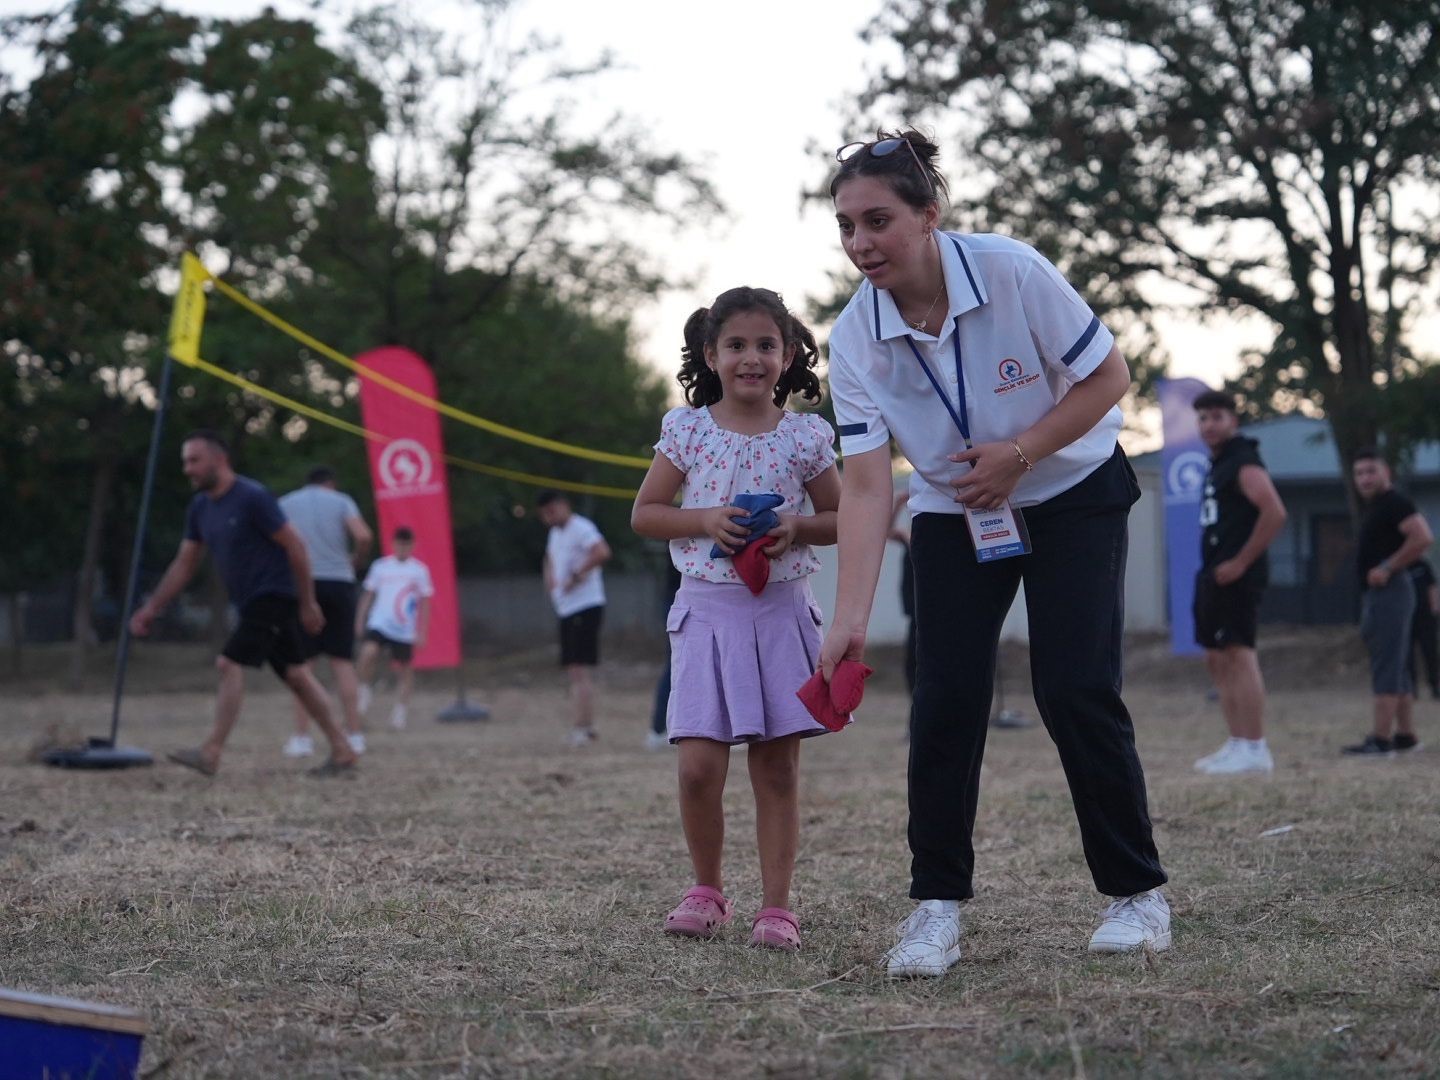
x: 998, y: 534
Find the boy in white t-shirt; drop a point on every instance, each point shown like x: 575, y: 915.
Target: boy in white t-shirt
x: 395, y: 615
x: 574, y: 553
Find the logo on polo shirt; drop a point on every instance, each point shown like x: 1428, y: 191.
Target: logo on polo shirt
x: 1012, y: 376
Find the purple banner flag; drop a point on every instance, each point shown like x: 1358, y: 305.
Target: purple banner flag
x: 1184, y: 464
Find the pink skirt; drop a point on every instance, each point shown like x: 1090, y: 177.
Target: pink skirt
x: 736, y: 660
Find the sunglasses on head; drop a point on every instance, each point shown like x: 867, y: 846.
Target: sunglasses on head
x: 884, y: 148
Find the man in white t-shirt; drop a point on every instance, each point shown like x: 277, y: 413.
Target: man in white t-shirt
x: 395, y: 614
x: 574, y: 553
x: 337, y: 540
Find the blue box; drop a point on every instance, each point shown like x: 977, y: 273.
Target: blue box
x: 52, y: 1038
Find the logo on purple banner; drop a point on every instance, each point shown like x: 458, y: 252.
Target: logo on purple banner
x: 1184, y: 463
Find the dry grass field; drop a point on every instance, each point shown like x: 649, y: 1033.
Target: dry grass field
x: 483, y: 901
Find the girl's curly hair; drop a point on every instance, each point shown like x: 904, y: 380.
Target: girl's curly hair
x: 702, y: 331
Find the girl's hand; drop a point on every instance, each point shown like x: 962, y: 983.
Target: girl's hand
x: 720, y: 526
x: 784, y: 535
x: 841, y: 643
x: 996, y: 470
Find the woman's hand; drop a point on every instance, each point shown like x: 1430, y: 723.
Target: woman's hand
x: 784, y: 536
x: 720, y: 526
x: 996, y: 469
x: 841, y: 643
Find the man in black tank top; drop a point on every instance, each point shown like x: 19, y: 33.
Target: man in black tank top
x: 1240, y: 515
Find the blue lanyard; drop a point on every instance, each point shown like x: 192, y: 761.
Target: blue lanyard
x: 961, y: 418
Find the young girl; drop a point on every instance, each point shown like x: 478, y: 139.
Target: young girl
x: 737, y: 658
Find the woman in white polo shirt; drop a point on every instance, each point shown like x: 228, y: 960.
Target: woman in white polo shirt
x: 1001, y: 387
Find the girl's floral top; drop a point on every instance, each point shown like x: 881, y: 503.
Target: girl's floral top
x: 719, y: 464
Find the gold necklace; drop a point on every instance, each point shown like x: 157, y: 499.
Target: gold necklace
x: 919, y: 324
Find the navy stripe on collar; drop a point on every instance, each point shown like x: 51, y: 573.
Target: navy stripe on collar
x: 980, y: 298
x: 974, y: 289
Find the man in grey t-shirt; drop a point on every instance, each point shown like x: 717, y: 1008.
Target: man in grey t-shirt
x: 337, y: 540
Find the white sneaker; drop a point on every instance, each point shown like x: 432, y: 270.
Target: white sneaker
x: 927, y: 943
x: 1204, y: 763
x: 580, y: 736
x: 363, y: 698
x: 299, y: 746
x: 1243, y: 756
x: 1133, y: 922
x: 657, y: 740
x: 399, y: 717
x: 357, y: 742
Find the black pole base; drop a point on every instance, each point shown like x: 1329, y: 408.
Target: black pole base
x: 99, y: 754
x: 463, y: 712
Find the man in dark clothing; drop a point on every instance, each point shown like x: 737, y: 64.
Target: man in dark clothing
x: 1393, y: 536
x: 1240, y: 516
x: 266, y: 571
x: 1423, y: 626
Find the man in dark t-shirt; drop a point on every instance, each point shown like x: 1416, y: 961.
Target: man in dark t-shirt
x: 1240, y: 515
x: 1393, y: 535
x: 266, y: 571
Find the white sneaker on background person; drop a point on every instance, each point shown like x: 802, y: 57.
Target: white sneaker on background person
x: 580, y: 736
x: 299, y: 746
x: 399, y: 716
x: 366, y: 695
x: 656, y: 740
x: 1204, y: 763
x: 1133, y: 922
x: 357, y: 741
x: 927, y: 943
x: 1242, y: 756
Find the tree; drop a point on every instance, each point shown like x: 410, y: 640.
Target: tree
x: 80, y: 192
x: 416, y: 190
x: 482, y: 166
x: 103, y: 182
x: 1272, y: 156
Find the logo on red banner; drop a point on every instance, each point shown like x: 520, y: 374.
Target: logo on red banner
x: 408, y: 472
x: 405, y: 469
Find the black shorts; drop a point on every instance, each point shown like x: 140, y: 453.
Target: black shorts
x: 400, y: 651
x: 1226, y: 615
x: 580, y: 637
x: 269, y: 632
x: 337, y: 639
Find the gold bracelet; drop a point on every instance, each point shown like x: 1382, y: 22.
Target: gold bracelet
x: 1021, y: 455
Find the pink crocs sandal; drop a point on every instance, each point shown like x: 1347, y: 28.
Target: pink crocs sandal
x: 775, y: 928
x: 701, y: 914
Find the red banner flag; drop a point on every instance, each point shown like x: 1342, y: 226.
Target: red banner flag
x: 411, y: 487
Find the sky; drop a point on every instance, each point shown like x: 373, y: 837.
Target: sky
x: 745, y: 89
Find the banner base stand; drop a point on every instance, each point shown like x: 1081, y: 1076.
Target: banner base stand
x: 462, y: 711
x: 98, y: 754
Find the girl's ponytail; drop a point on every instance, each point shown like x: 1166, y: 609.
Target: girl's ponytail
x: 800, y: 377
x: 702, y: 386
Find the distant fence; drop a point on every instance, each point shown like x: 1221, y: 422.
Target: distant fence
x: 499, y: 612
x: 504, y: 612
